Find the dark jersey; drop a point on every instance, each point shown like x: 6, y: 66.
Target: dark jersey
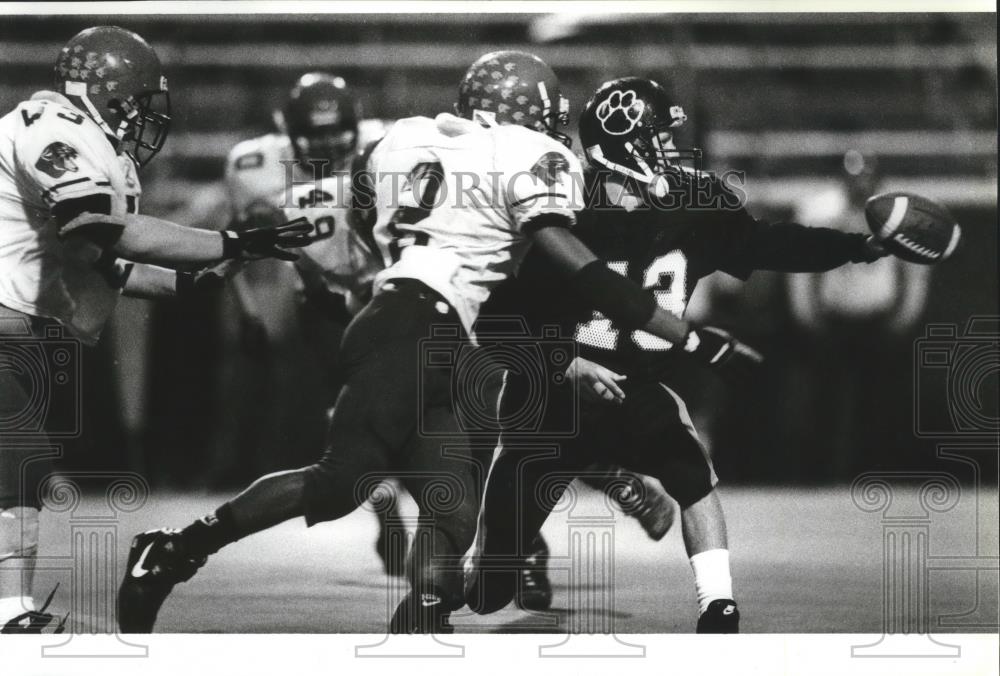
x: 665, y: 248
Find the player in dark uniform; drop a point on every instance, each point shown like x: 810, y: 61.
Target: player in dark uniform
x: 664, y: 227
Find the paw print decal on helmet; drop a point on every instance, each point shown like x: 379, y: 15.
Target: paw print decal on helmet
x: 620, y: 112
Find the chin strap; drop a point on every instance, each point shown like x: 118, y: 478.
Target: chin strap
x: 79, y: 90
x: 658, y: 184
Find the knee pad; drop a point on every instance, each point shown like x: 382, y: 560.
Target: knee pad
x: 18, y: 533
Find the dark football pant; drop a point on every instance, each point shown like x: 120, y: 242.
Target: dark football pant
x: 649, y: 433
x: 393, y: 418
x: 25, y: 408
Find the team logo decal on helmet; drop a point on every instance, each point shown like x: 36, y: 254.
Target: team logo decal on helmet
x: 621, y: 112
x: 550, y: 167
x: 628, y: 127
x: 57, y: 159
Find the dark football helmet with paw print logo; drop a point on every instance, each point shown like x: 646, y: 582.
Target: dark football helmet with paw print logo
x: 628, y: 127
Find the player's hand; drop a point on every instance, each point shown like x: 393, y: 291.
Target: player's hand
x: 597, y: 384
x: 267, y: 241
x: 721, y: 352
x: 872, y: 250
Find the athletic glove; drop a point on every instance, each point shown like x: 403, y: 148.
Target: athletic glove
x: 872, y: 250
x: 718, y: 350
x: 267, y: 241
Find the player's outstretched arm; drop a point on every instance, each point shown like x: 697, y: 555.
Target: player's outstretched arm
x: 618, y: 297
x: 147, y: 239
x: 153, y: 281
x: 150, y: 281
x: 790, y: 247
x: 626, y: 304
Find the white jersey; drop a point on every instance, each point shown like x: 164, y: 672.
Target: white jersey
x: 338, y: 255
x: 464, y: 234
x: 50, y: 152
x: 257, y: 170
x: 258, y: 174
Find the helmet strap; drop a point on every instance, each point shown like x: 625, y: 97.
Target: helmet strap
x: 79, y: 90
x: 543, y: 92
x: 597, y: 155
x: 487, y: 118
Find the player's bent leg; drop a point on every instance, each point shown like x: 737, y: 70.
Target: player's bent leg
x: 639, y: 496
x: 669, y: 449
x: 443, y: 477
x: 535, y: 589
x: 18, y: 550
x: 515, y: 506
x: 23, y: 466
x: 704, y: 527
x: 390, y: 549
x: 160, y: 559
x: 323, y: 491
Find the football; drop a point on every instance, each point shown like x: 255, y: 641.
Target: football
x: 912, y: 227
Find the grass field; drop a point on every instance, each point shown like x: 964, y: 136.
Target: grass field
x: 804, y: 560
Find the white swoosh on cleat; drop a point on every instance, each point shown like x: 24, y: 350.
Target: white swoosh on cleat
x: 137, y: 569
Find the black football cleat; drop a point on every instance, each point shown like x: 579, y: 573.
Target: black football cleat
x: 421, y: 614
x: 35, y: 621
x: 721, y: 617
x: 647, y: 502
x: 535, y: 591
x: 156, y: 563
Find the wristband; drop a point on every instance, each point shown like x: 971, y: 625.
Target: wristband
x: 230, y: 244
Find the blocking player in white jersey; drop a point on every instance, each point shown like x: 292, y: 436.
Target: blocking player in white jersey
x: 71, y: 242
x: 459, y: 199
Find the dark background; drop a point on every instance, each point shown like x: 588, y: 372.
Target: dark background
x: 197, y: 396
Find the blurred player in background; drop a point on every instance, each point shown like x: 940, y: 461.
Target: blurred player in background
x: 72, y: 241
x: 321, y: 134
x: 664, y: 226
x: 304, y: 170
x: 446, y: 247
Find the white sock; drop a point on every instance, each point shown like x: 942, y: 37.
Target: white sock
x: 13, y: 606
x: 711, y: 577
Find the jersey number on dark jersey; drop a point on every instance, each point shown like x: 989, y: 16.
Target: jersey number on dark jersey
x: 666, y: 277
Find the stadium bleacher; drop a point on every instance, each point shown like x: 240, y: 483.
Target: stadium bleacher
x: 777, y: 95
